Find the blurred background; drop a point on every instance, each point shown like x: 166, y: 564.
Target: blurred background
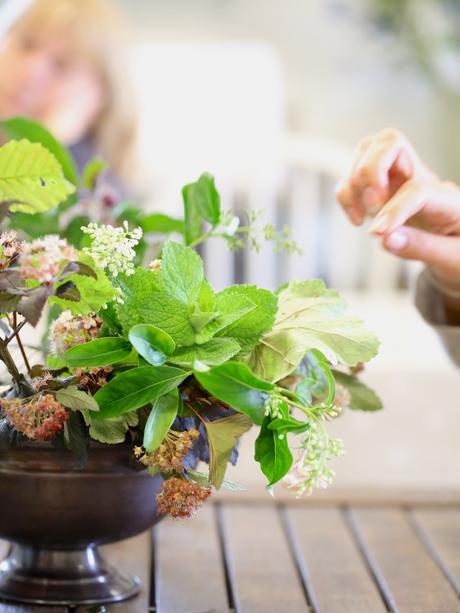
x: 271, y: 97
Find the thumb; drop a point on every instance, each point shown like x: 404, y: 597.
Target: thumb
x: 442, y: 253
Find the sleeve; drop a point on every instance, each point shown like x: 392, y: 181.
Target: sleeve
x: 440, y: 308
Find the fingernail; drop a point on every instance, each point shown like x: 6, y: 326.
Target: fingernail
x: 396, y: 241
x: 380, y: 224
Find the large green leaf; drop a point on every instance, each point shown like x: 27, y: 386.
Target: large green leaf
x: 99, y: 352
x: 199, y: 357
x: 272, y: 452
x: 182, y: 272
x: 153, y: 344
x: 135, y: 388
x: 17, y: 128
x: 235, y: 384
x: 310, y: 316
x: 249, y: 328
x: 362, y: 398
x: 223, y: 435
x: 31, y: 178
x: 160, y: 420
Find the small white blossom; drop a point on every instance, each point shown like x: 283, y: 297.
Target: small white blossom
x: 113, y: 248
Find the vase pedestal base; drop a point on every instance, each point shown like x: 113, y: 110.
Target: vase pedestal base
x: 62, y: 577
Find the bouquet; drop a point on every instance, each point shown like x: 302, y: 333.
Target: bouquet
x: 143, y: 352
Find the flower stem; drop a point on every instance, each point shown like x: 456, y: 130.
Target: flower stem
x: 16, y: 329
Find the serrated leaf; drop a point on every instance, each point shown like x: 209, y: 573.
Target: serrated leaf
x: 160, y: 420
x: 310, y: 316
x: 223, y: 434
x: 363, y: 398
x: 235, y: 384
x: 18, y: 128
x: 76, y: 399
x: 113, y: 430
x: 249, y: 328
x: 31, y: 178
x: 182, y: 272
x: 153, y: 344
x: 137, y: 387
x: 213, y: 353
x: 99, y: 352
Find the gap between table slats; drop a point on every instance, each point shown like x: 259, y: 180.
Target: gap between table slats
x: 409, y: 577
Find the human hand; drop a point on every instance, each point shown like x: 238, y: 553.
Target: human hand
x: 417, y: 214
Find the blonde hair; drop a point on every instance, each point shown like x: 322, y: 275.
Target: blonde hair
x: 96, y: 26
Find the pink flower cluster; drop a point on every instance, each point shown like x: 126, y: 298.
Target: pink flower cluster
x: 40, y: 420
x: 42, y: 259
x: 180, y: 498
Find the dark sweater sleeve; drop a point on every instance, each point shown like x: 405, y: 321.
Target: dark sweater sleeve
x: 440, y: 311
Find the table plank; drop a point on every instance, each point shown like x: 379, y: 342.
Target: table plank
x: 439, y: 529
x: 263, y: 574
x: 332, y: 565
x: 413, y: 577
x: 189, y: 571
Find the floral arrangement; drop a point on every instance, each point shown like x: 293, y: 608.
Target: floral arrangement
x: 150, y: 356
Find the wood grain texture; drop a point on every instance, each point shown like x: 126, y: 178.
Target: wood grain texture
x: 263, y: 573
x: 413, y: 577
x: 439, y: 530
x: 339, y: 579
x: 189, y: 572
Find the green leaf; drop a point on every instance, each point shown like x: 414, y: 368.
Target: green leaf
x: 203, y: 480
x: 283, y: 425
x: 273, y: 453
x: 249, y: 328
x: 201, y: 202
x: 235, y: 384
x: 160, y: 420
x: 182, y: 272
x: 75, y: 399
x: 91, y: 172
x: 310, y: 316
x: 213, y: 353
x: 111, y: 431
x: 137, y: 387
x: 153, y: 344
x: 31, y: 178
x: 162, y: 224
x: 146, y: 301
x: 223, y: 435
x: 18, y: 128
x: 94, y: 293
x: 99, y: 352
x: 363, y: 398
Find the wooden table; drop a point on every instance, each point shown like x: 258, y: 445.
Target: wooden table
x: 254, y: 556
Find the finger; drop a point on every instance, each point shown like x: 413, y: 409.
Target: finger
x: 410, y: 199
x: 441, y: 253
x: 352, y: 208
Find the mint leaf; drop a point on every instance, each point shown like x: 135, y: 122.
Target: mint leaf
x: 249, y: 328
x: 135, y: 388
x: 201, y: 202
x: 222, y: 436
x: 182, y: 272
x: 363, y: 398
x: 310, y: 316
x: 235, y: 384
x: 213, y: 353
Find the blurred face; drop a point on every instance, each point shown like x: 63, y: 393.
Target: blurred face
x: 42, y: 77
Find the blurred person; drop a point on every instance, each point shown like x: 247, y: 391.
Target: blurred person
x: 62, y: 63
x: 417, y: 217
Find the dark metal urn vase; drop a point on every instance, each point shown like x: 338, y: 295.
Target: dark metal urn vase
x: 56, y: 515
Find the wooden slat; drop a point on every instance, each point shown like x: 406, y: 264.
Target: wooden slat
x: 263, y: 574
x: 412, y: 576
x: 339, y: 579
x: 439, y: 530
x: 189, y: 573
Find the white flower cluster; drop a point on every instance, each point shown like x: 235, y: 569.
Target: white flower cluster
x: 113, y: 248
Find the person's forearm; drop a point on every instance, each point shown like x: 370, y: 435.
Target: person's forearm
x: 450, y: 293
